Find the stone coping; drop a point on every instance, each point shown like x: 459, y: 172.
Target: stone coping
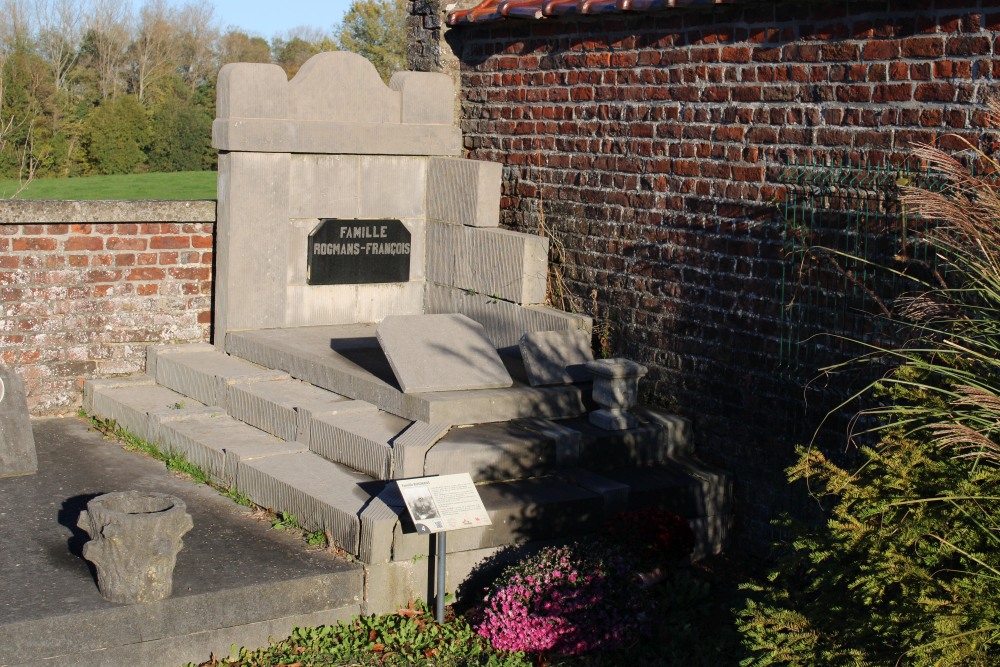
x: 49, y: 211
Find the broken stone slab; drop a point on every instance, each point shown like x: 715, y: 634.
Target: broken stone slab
x: 135, y: 539
x: 17, y: 442
x: 556, y: 357
x: 444, y: 352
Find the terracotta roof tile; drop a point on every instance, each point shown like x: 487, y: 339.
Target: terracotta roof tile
x: 495, y: 10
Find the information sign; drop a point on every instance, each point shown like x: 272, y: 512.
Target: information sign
x: 446, y: 502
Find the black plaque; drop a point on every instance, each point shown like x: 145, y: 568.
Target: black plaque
x: 351, y: 252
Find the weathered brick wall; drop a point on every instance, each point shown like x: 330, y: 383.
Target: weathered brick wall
x: 647, y: 146
x: 86, y: 286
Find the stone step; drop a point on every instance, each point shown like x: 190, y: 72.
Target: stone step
x: 493, y: 452
x: 203, y: 373
x: 286, y: 409
x: 362, y: 440
x: 323, y: 495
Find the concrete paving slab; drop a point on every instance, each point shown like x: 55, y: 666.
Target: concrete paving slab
x: 440, y: 353
x: 236, y: 579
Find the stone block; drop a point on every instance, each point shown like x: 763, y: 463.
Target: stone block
x: 392, y: 186
x: 568, y: 441
x: 378, y: 521
x: 464, y: 192
x: 359, y: 440
x: 92, y: 388
x: 217, y: 444
x: 322, y: 495
x: 17, y: 441
x: 279, y: 407
x: 324, y: 186
x: 497, y: 263
x: 153, y: 352
x: 342, y: 86
x: 503, y: 321
x: 439, y: 353
x: 312, y: 305
x: 556, y: 357
x: 411, y: 446
x: 252, y: 90
x: 492, y: 452
x: 207, y: 376
x: 675, y: 439
x: 615, y: 494
x: 141, y: 408
x: 253, y: 205
x: 427, y: 97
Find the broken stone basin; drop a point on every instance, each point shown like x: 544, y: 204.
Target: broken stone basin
x: 135, y: 538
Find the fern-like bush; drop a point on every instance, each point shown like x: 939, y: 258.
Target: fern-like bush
x: 906, y: 571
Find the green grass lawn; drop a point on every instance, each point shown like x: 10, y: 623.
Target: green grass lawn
x: 183, y: 185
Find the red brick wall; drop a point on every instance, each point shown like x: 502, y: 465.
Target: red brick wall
x: 83, y: 299
x: 647, y: 145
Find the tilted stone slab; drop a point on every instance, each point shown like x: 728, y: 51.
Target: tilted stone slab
x: 492, y: 452
x: 556, y: 357
x: 411, y: 446
x: 521, y: 511
x: 284, y: 408
x: 499, y: 263
x: 218, y: 444
x: 346, y: 359
x: 207, y: 376
x: 362, y: 441
x: 322, y: 495
x: 142, y: 408
x: 17, y: 441
x: 504, y: 322
x: 440, y: 353
x: 464, y: 192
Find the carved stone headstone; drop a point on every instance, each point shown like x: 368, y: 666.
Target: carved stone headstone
x: 135, y: 538
x: 17, y: 443
x: 440, y: 353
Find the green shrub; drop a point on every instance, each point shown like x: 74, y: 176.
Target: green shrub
x: 906, y: 570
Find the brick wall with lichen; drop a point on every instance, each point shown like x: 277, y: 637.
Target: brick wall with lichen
x: 647, y: 146
x: 83, y: 299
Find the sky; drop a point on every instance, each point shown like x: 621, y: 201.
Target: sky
x: 267, y: 18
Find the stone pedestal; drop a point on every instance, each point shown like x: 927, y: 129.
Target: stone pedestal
x: 135, y: 538
x: 616, y: 389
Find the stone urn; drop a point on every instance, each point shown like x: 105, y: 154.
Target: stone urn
x: 134, y: 540
x: 616, y: 389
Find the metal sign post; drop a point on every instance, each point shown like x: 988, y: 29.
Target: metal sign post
x: 440, y: 504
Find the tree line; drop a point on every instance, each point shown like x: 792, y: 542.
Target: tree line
x: 94, y: 87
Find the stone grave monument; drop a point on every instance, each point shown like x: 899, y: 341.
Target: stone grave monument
x: 373, y: 322
x: 17, y: 442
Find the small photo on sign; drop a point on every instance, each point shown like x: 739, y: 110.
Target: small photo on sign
x: 419, y: 499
